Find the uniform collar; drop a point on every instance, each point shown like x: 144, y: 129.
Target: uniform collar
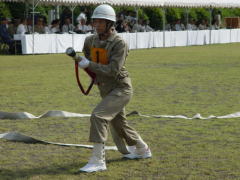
x: 110, y: 38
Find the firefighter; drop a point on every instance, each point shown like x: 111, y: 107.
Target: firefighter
x: 105, y: 54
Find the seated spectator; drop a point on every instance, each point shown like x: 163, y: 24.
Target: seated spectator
x: 67, y: 26
x: 146, y: 26
x: 179, y: 26
x: 203, y: 25
x: 130, y: 16
x: 82, y: 28
x: 90, y: 27
x: 138, y: 27
x: 29, y: 25
x: 22, y: 27
x: 5, y: 36
x: 194, y: 25
x: 66, y: 13
x: 126, y: 26
x: 168, y: 27
x: 215, y: 25
x: 121, y: 16
x: 122, y: 26
x: 54, y: 28
x: 82, y: 15
x: 12, y: 26
x: 46, y: 27
x: 39, y: 27
x: 119, y: 26
x: 191, y: 25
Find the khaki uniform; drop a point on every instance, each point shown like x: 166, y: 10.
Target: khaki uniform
x: 115, y: 89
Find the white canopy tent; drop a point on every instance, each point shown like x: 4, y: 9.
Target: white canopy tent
x: 136, y: 3
x: 142, y: 3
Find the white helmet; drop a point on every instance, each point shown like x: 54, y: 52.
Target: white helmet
x: 104, y: 11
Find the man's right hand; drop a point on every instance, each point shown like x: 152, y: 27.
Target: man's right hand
x: 71, y: 52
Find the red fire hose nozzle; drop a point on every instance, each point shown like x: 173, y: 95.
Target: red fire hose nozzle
x: 71, y: 52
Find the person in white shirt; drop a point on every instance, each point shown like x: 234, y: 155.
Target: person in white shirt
x: 47, y: 29
x: 39, y: 28
x: 22, y: 27
x: 82, y: 15
x: 54, y: 28
x: 194, y: 26
x: 203, y: 25
x: 138, y: 27
x: 29, y: 26
x: 67, y: 27
x: 191, y: 25
x: 90, y: 27
x: 179, y: 26
x: 147, y: 28
x: 82, y: 28
x: 214, y: 25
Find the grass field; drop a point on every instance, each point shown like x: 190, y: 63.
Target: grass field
x: 183, y: 80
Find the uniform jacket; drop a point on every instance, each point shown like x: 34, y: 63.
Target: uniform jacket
x: 112, y: 77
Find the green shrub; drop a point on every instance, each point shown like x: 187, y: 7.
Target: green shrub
x: 192, y: 14
x: 4, y: 10
x: 172, y: 14
x: 155, y: 16
x: 18, y: 12
x: 202, y: 13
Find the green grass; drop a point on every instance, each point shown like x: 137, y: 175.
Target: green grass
x: 183, y: 80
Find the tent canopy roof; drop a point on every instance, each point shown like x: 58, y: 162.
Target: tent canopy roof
x: 143, y: 3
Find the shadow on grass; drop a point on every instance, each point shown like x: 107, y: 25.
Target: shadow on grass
x: 120, y: 160
x: 72, y: 169
x: 7, y: 174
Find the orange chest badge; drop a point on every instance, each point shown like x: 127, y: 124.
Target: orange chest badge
x: 99, y: 55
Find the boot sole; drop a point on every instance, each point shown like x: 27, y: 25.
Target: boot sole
x: 92, y: 171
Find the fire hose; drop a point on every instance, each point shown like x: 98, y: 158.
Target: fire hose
x: 71, y: 52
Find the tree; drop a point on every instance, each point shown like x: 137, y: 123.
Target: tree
x: 155, y: 17
x: 5, y: 10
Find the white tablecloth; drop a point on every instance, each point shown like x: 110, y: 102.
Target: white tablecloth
x: 58, y: 43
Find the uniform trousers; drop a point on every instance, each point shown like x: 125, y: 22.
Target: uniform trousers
x: 111, y: 109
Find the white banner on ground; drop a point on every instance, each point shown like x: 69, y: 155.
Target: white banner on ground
x: 18, y: 137
x: 65, y: 114
x: 14, y: 136
x: 26, y: 115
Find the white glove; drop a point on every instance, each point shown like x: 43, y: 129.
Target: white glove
x: 84, y: 63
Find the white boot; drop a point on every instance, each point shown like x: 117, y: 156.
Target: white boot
x: 97, y: 161
x: 139, y: 151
